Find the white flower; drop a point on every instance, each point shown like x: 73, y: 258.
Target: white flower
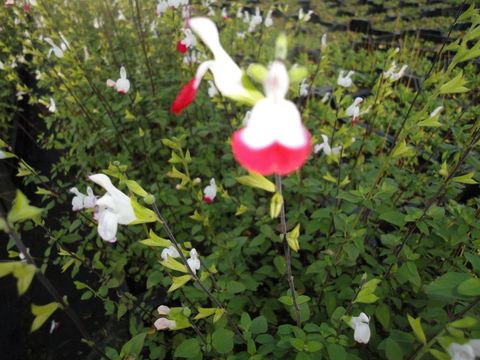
x: 461, y: 352
x: 22, y: 256
x: 58, y: 51
x: 164, y: 323
x: 241, y: 35
x: 81, y: 201
x: 304, y: 88
x: 268, y: 19
x: 54, y: 325
x: 193, y: 262
x: 52, y: 107
x: 121, y: 16
x: 170, y: 251
x: 327, y: 150
x: 189, y: 40
x: 323, y: 45
x: 354, y: 109
x: 436, y: 112
x: 210, y: 192
x: 392, y: 74
x: 96, y: 23
x: 162, y: 6
x: 302, y: 17
x: 211, y: 12
x: 191, y: 58
x: 255, y: 20
x: 239, y: 14
x: 345, y: 80
x: 186, y: 12
x: 113, y: 208
x: 224, y: 13
x: 123, y: 84
x: 212, y: 90
x: 361, y: 329
x: 163, y: 310
x: 246, y: 17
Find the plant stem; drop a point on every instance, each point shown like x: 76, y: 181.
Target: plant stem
x: 212, y: 297
x: 53, y: 291
x: 286, y: 248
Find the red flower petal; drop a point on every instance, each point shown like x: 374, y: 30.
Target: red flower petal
x: 207, y: 199
x: 275, y: 158
x: 184, y: 98
x: 181, y: 47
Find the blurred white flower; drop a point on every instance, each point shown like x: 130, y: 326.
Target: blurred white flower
x: 268, y: 19
x: 345, y: 79
x: 193, y: 262
x: 113, y: 208
x: 58, y: 51
x: 162, y: 6
x: 123, y: 84
x: 52, y: 107
x: 392, y: 74
x: 163, y: 310
x: 436, y: 112
x: 304, y: 87
x: 361, y: 328
x: 210, y: 192
x: 354, y: 110
x: 323, y: 45
x: 325, y: 147
x: 302, y: 17
x: 170, y: 251
x: 326, y: 97
x: 81, y: 201
x: 224, y: 13
x: 212, y: 90
x: 164, y: 323
x: 255, y: 20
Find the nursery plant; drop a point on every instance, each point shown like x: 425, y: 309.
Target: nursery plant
x: 238, y: 181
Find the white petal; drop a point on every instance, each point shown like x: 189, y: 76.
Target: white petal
x: 163, y: 310
x: 123, y: 73
x: 362, y: 333
x: 107, y: 225
x: 461, y: 352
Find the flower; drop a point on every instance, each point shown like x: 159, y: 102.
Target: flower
x: 54, y: 325
x: 224, y: 13
x: 345, y: 80
x: 268, y: 19
x: 354, y: 110
x: 162, y: 6
x: 323, y: 45
x: 326, y: 97
x: 210, y: 192
x: 113, y: 208
x: 461, y: 352
x: 327, y: 150
x: 81, y: 201
x: 9, y: 3
x: 303, y: 88
x: 361, y: 329
x: 164, y: 323
x: 392, y: 74
x: 255, y: 20
x: 123, y: 84
x: 226, y: 74
x: 52, y: 107
x: 302, y: 17
x: 170, y: 251
x: 163, y: 310
x: 193, y: 262
x: 58, y: 51
x: 274, y: 140
x: 187, y: 42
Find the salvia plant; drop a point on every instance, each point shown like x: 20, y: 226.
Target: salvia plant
x: 232, y: 181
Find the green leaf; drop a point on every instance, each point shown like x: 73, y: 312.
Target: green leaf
x: 134, y: 187
x: 439, y: 355
x: 179, y: 281
x: 259, y: 325
x: 470, y: 287
x: 474, y: 260
x: 292, y: 238
x: 393, y: 350
x: 188, y: 349
x: 465, y: 323
x: 21, y: 210
x: 366, y: 294
x: 393, y: 217
x: 403, y: 150
x: 218, y: 314
x: 204, y: 312
x: 222, y: 341
x: 445, y: 287
x: 297, y: 73
x: 416, y: 326
x: 336, y: 352
x: 465, y: 179
x: 155, y: 240
x: 257, y: 181
x: 173, y: 264
x: 276, y: 205
x: 455, y: 85
x: 235, y: 287
x: 257, y: 72
x: 142, y: 214
x: 281, y: 47
x: 133, y: 347
x: 42, y: 313
x: 409, y: 272
x: 6, y: 155
x: 22, y: 271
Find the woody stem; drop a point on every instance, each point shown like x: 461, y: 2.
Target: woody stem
x: 286, y: 248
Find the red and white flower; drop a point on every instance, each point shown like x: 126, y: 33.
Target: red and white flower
x: 226, y: 73
x: 326, y: 148
x: 123, y: 84
x: 189, y: 41
x: 274, y: 140
x: 354, y: 110
x: 210, y: 192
